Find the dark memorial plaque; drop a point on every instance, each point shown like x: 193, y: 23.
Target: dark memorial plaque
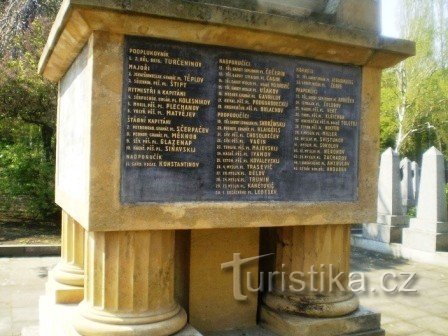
x: 205, y: 123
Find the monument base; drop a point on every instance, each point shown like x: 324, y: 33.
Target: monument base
x: 383, y: 232
x: 60, y: 293
x: 57, y: 320
x: 425, y: 240
x: 392, y: 220
x: 400, y: 251
x: 360, y: 323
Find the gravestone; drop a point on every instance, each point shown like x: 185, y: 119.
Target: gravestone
x: 184, y: 129
x: 407, y: 189
x: 429, y: 230
x: 415, y: 168
x: 391, y: 219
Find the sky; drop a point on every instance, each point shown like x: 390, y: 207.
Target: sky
x: 389, y: 21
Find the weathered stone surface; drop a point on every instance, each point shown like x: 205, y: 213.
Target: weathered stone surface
x: 66, y: 281
x: 432, y: 200
x: 130, y: 285
x: 390, y: 219
x: 61, y: 293
x: 130, y: 255
x: 107, y: 213
x: 390, y: 211
x: 407, y: 188
x: 361, y: 322
x: 415, y: 168
x: 57, y: 319
x: 359, y: 14
x: 386, y: 233
x: 323, y: 249
x: 429, y: 230
x: 73, y: 136
x: 423, y: 240
x: 255, y: 331
x: 101, y: 26
x: 300, y: 8
x: 71, y: 29
x: 211, y: 294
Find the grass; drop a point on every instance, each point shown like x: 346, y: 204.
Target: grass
x: 29, y: 232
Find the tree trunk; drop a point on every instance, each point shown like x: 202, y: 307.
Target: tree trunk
x: 47, y: 133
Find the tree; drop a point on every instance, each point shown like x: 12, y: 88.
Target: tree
x: 415, y: 90
x: 16, y: 16
x: 27, y: 107
x: 25, y: 95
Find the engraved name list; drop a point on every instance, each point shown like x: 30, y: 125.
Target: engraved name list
x: 205, y: 123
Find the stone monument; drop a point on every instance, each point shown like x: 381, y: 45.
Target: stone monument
x: 429, y: 231
x: 407, y: 189
x: 415, y: 180
x: 390, y: 220
x: 188, y: 132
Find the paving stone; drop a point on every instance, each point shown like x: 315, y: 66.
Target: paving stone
x: 403, y: 312
x: 433, y: 323
x: 401, y: 328
x: 427, y: 333
x: 18, y: 327
x: 5, y: 296
x: 5, y: 322
x: 28, y: 314
x: 31, y: 331
x: 25, y: 298
x: 386, y: 319
x: 418, y: 315
x: 438, y: 309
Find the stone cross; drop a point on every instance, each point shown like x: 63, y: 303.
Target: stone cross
x: 429, y: 231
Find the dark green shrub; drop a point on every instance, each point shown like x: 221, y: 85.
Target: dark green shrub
x: 27, y: 177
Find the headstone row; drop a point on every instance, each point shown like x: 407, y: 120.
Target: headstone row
x: 391, y: 218
x: 400, y: 187
x: 429, y: 230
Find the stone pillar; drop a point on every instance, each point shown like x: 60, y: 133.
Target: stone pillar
x: 429, y: 231
x: 322, y: 250
x: 129, y: 287
x: 211, y: 285
x: 415, y: 180
x: 66, y: 280
x: 391, y: 219
x: 316, y: 307
x: 407, y: 190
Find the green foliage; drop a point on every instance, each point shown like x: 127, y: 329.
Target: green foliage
x: 414, y: 114
x: 412, y: 212
x: 24, y: 94
x: 27, y: 109
x: 26, y: 175
x: 389, y: 101
x: 446, y: 192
